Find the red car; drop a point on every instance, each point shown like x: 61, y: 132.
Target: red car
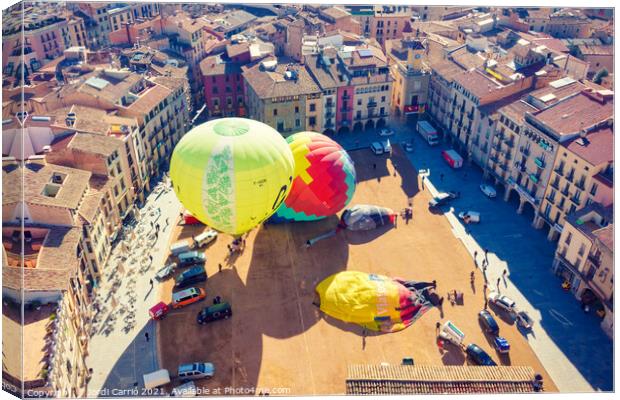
x: 159, y: 311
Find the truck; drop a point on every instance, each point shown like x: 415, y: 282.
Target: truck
x: 452, y: 158
x: 428, y: 132
x: 155, y: 379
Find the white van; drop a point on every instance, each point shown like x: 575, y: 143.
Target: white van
x: 205, y: 238
x: 180, y: 247
x: 156, y: 379
x: 376, y: 148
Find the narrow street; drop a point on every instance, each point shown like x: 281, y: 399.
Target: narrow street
x: 119, y: 350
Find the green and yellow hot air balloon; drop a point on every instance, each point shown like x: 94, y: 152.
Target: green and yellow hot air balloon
x: 232, y: 173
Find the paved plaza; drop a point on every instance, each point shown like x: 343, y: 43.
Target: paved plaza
x: 570, y: 344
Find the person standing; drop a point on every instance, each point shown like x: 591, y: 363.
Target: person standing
x: 151, y: 282
x: 486, y: 255
x: 498, y: 280
x: 219, y: 267
x: 146, y: 335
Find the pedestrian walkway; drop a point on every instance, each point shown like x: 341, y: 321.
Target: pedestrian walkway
x: 123, y: 343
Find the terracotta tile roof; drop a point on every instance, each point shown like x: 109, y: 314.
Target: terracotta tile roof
x: 327, y: 76
x: 578, y: 218
x: 171, y: 82
x: 575, y: 113
x: 56, y: 263
x: 112, y: 92
x: 269, y: 84
x: 551, y: 95
x: 36, y: 177
x: 597, y: 147
x: 478, y: 83
x: 432, y: 379
x: 236, y: 49
x: 90, y: 205
x: 446, y: 69
x: 94, y: 143
x: 150, y: 98
x: 335, y: 12
x: 517, y: 109
x: 590, y: 50
x: 606, y: 236
x: 552, y: 44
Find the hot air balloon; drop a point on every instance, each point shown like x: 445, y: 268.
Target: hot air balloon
x: 364, y: 217
x: 232, y: 173
x: 374, y: 301
x: 324, y: 180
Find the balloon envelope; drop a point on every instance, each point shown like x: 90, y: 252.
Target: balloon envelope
x: 373, y: 301
x: 232, y: 173
x: 324, y: 181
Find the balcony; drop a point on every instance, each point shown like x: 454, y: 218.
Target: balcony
x: 570, y: 177
x: 525, y: 150
x: 556, y: 184
x: 575, y: 200
x: 540, y: 163
x: 534, y: 178
x: 497, y: 147
x: 595, y: 259
x: 559, y: 171
x: 504, y: 167
x: 346, y: 96
x: 581, y: 184
x: 507, y: 156
x: 510, y: 144
x: 372, y: 104
x: 329, y: 114
x: 494, y: 159
x: 470, y: 115
x: 565, y: 192
x: 329, y: 105
x: 345, y: 109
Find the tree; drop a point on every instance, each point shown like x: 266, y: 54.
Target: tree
x: 598, y: 77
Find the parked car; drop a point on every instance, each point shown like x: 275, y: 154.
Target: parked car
x: 501, y: 301
x: 205, y: 238
x: 488, y: 190
x: 501, y: 345
x: 479, y: 356
x: 155, y: 379
x: 387, y: 147
x: 166, y: 272
x: 179, y: 247
x: 214, y: 312
x: 196, y: 371
x: 376, y: 148
x: 187, y: 297
x: 190, y: 258
x: 524, y: 320
x: 470, y: 217
x: 192, y: 276
x: 442, y: 198
x: 489, y: 323
x: 386, y: 132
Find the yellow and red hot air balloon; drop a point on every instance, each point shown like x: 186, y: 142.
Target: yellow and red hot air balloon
x: 324, y: 180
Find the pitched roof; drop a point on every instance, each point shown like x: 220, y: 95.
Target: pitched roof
x: 37, y: 178
x: 94, y: 143
x: 517, y: 109
x: 434, y: 379
x: 606, y: 236
x: 597, y: 147
x: 269, y: 84
x: 575, y: 113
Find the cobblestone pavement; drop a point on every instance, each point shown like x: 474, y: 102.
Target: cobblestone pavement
x: 119, y: 352
x: 570, y: 344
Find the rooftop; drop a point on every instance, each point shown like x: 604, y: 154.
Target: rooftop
x: 50, y: 185
x: 335, y: 12
x: 575, y: 113
x: 596, y: 148
x: 94, y: 143
x: 478, y: 83
x: 606, y: 236
x: 592, y: 50
x: 517, y: 109
x: 432, y: 379
x: 47, y: 268
x: 557, y: 90
x: 590, y: 218
x: 270, y: 84
x: 217, y: 65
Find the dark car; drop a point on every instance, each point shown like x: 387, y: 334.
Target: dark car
x: 487, y: 320
x: 191, y: 276
x: 214, y: 312
x: 479, y: 356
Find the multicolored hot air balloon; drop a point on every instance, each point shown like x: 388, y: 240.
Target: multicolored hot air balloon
x: 232, y: 173
x: 324, y: 180
x: 373, y: 301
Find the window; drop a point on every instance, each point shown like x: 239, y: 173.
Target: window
x: 280, y: 126
x: 312, y: 121
x: 296, y: 109
x: 582, y: 249
x: 275, y: 112
x: 297, y: 123
x: 359, y: 102
x: 593, y: 189
x: 122, y: 184
x: 312, y: 107
x: 382, y: 99
x: 568, y: 238
x: 214, y: 90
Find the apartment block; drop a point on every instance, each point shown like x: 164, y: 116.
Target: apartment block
x: 279, y: 94
x: 584, y: 259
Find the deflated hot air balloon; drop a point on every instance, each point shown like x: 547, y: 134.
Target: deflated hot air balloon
x: 373, y: 301
x: 232, y: 173
x: 324, y: 180
x: 366, y: 217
